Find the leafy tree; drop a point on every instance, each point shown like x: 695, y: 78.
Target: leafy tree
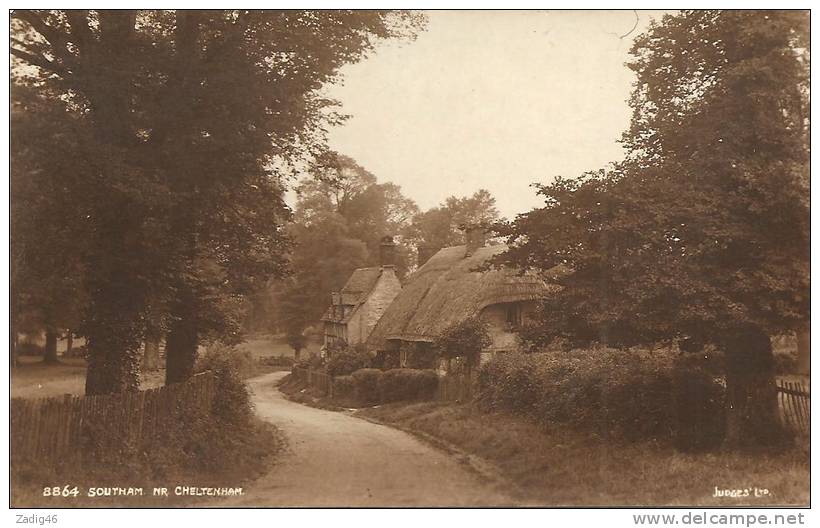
x: 46, y: 274
x: 341, y: 215
x: 442, y: 226
x: 370, y: 210
x: 701, y: 236
x: 185, y: 113
x: 324, y: 256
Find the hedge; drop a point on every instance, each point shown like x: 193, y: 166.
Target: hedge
x: 367, y: 385
x: 612, y: 393
x: 344, y: 389
x: 407, y: 384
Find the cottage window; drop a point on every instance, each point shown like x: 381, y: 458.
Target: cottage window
x: 514, y: 318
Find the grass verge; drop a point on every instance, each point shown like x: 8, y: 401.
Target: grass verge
x: 560, y: 467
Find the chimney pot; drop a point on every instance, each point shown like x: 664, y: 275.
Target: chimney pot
x: 476, y: 237
x: 387, y: 251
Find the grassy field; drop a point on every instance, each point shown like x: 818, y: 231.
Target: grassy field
x: 32, y: 378
x: 565, y: 468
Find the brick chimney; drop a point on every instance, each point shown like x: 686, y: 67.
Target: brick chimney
x: 475, y: 236
x: 387, y: 251
x: 423, y: 254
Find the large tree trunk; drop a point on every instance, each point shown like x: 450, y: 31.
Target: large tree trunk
x: 114, y: 327
x: 182, y: 342
x: 112, y: 366
x: 50, y: 353
x: 752, y: 418
x: 114, y: 337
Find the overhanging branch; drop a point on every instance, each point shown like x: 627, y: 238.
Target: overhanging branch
x: 39, y: 61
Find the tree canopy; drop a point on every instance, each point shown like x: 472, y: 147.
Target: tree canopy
x: 442, y: 226
x: 185, y: 120
x: 702, y: 233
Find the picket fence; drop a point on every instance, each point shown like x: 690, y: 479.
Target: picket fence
x: 794, y: 402
x: 48, y: 428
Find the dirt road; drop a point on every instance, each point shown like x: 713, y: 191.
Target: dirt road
x: 337, y: 460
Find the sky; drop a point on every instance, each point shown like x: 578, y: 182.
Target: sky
x: 495, y: 100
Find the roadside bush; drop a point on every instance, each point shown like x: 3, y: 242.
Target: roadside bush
x: 232, y: 406
x: 347, y: 360
x: 407, y: 384
x: 367, y: 385
x: 633, y: 395
x: 220, y: 356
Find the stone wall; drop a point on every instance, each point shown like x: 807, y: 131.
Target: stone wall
x: 386, y: 289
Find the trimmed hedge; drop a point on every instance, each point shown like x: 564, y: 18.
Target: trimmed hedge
x: 367, y: 385
x: 370, y: 386
x: 344, y: 388
x: 625, y: 394
x: 407, y: 384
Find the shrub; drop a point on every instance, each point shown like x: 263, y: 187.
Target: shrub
x: 627, y: 394
x: 232, y: 406
x: 220, y: 356
x: 464, y: 339
x: 367, y: 384
x: 347, y: 360
x: 407, y: 384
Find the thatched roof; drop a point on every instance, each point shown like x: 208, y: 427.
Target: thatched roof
x: 354, y: 293
x: 448, y: 289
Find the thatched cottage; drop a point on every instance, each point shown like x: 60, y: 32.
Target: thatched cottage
x: 358, y: 306
x: 449, y: 288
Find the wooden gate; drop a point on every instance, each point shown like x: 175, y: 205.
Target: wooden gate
x: 793, y: 400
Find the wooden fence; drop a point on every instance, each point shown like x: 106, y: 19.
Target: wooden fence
x: 48, y: 428
x: 316, y: 379
x: 793, y: 399
x: 455, y: 387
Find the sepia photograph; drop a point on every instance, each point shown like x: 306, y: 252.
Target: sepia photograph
x: 356, y: 258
